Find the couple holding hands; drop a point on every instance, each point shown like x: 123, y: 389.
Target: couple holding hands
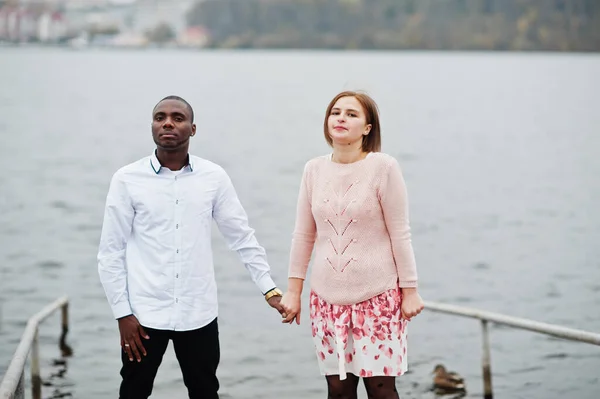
x: 156, y: 266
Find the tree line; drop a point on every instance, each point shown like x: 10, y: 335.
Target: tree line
x: 515, y: 25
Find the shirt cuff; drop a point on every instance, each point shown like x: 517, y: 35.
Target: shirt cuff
x: 121, y: 309
x: 265, y: 284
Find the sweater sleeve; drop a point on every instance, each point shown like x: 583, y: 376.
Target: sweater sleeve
x: 394, y: 203
x: 303, y: 237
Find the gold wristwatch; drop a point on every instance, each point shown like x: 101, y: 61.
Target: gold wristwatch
x: 274, y: 292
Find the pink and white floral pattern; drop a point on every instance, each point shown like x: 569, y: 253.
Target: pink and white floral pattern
x: 366, y: 339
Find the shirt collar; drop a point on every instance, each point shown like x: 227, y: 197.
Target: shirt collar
x: 156, y: 166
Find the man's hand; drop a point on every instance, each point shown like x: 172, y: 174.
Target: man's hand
x: 274, y: 302
x: 131, y: 331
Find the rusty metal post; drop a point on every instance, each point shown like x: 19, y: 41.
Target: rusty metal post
x: 36, y: 378
x: 65, y: 349
x: 486, y: 362
x: 65, y: 317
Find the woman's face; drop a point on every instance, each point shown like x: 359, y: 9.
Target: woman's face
x: 347, y: 122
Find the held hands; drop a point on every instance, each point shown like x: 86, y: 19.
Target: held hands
x: 131, y: 334
x: 288, y: 316
x: 291, y: 303
x: 412, y: 304
x: 275, y: 303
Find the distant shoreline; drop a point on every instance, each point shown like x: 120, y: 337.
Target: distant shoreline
x: 285, y: 49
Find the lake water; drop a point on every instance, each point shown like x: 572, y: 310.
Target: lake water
x: 501, y: 153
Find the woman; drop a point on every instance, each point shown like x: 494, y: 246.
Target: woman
x: 352, y: 209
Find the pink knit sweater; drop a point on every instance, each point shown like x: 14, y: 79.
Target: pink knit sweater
x: 355, y: 216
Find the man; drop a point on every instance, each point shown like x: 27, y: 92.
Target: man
x: 155, y: 259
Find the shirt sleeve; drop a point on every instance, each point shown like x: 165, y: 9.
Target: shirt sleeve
x: 305, y: 230
x: 116, y: 229
x: 232, y: 221
x: 394, y: 203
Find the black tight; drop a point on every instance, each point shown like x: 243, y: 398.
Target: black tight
x: 381, y: 388
x: 377, y: 387
x: 338, y: 389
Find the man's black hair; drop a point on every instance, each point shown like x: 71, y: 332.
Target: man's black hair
x: 177, y: 98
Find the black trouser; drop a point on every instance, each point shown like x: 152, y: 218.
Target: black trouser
x: 198, y: 355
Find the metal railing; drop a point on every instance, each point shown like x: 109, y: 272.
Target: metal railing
x: 515, y: 322
x: 12, y: 386
x: 13, y: 383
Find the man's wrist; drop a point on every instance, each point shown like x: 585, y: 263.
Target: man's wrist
x: 273, y: 292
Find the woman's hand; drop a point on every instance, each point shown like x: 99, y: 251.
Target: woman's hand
x: 412, y: 304
x: 291, y: 303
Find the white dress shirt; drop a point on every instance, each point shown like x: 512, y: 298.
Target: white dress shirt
x: 155, y: 258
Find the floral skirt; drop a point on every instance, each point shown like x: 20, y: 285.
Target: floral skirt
x: 366, y: 339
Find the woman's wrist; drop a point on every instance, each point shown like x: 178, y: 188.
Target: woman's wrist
x: 409, y: 290
x: 295, y: 285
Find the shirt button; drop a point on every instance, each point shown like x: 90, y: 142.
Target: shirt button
x: 176, y: 300
x: 177, y: 226
x: 176, y: 202
x: 175, y: 177
x: 177, y: 250
x: 177, y: 275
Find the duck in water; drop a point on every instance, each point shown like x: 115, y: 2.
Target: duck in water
x: 446, y: 382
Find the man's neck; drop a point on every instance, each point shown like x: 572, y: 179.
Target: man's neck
x: 173, y: 160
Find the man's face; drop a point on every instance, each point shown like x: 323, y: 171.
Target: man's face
x: 172, y: 125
